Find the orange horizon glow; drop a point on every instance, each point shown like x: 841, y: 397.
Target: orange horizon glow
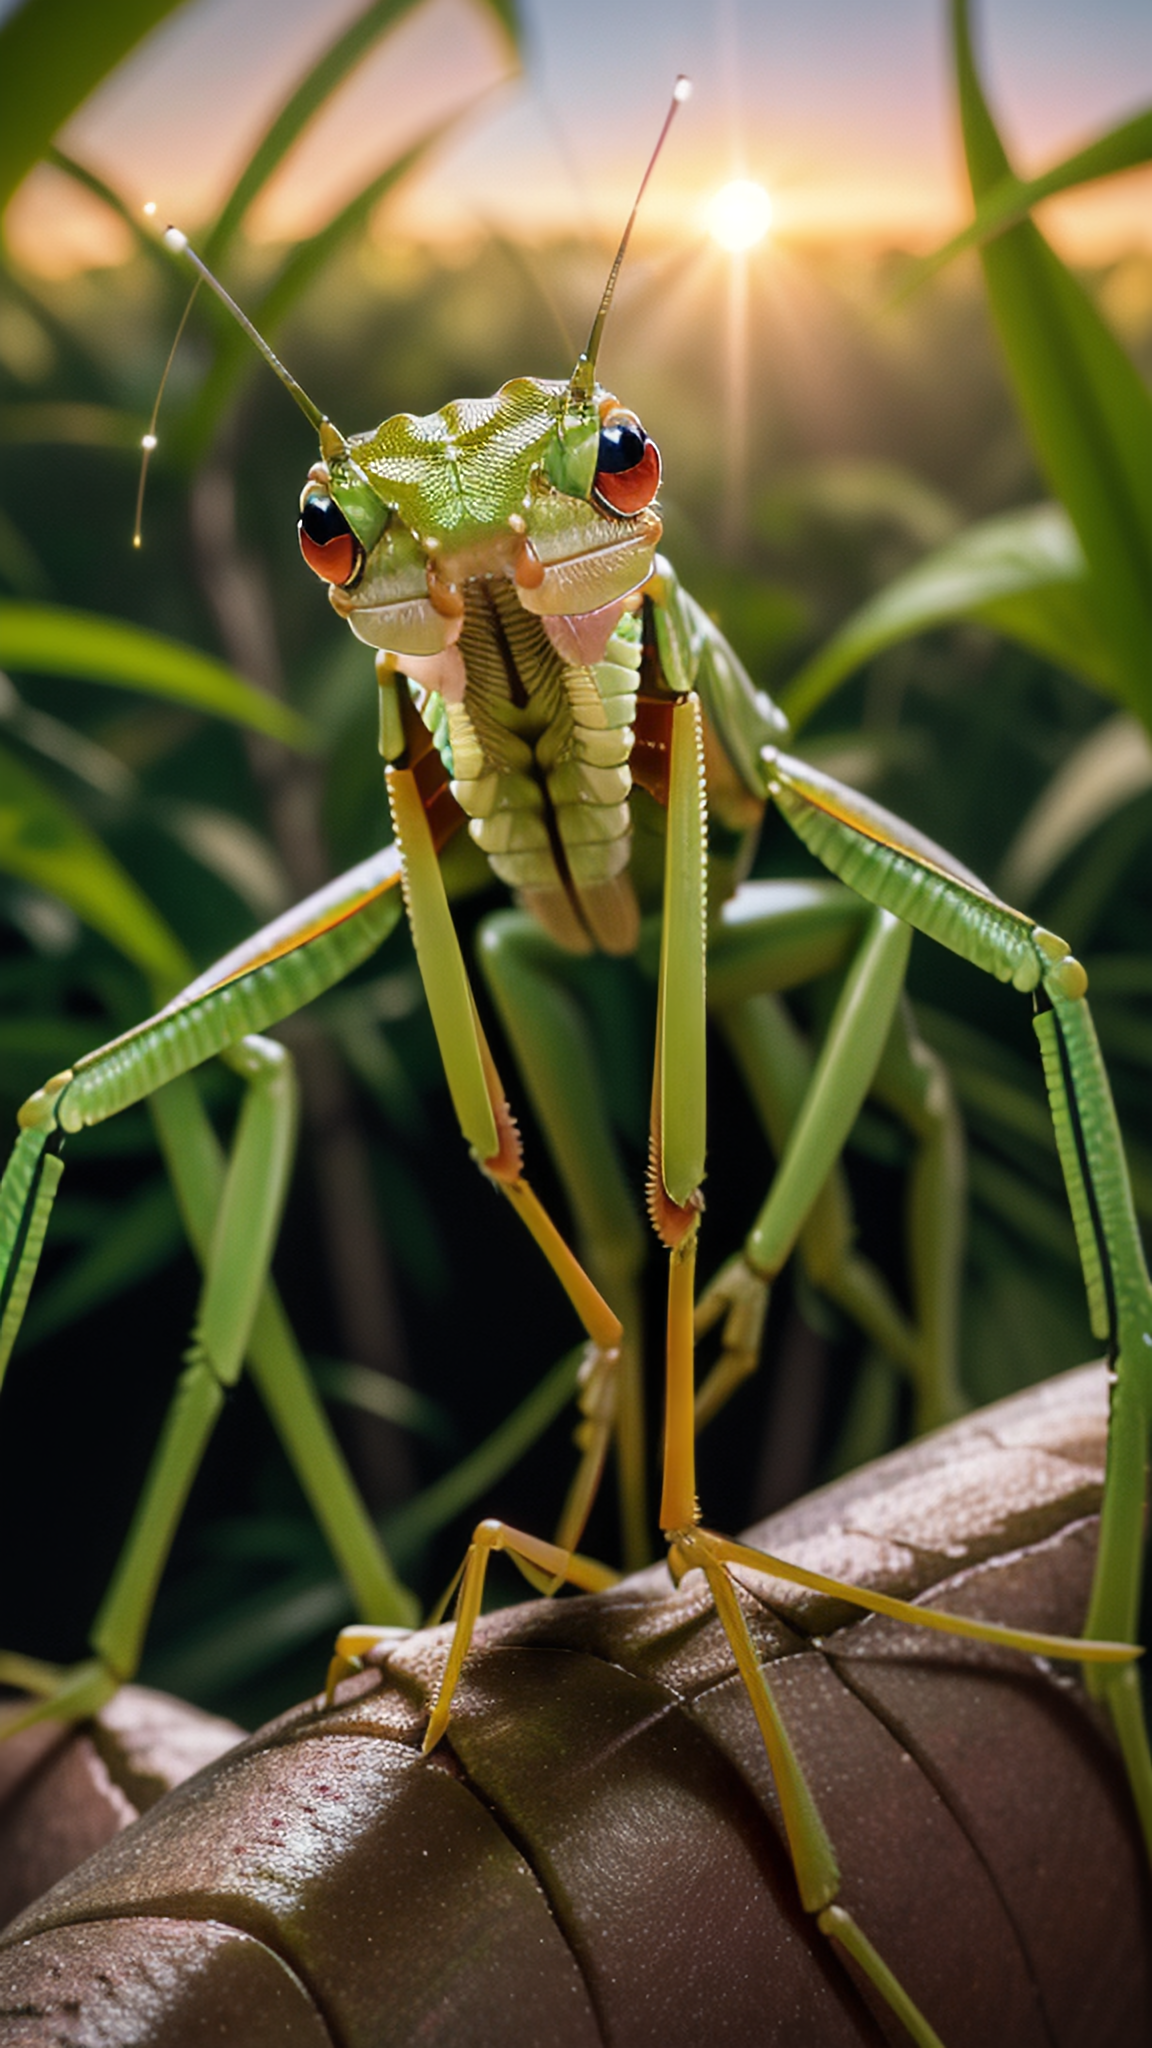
x: 56, y: 230
x: 866, y: 160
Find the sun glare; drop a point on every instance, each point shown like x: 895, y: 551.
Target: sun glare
x: 740, y: 215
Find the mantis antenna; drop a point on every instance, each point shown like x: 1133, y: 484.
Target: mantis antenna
x: 148, y: 440
x: 178, y: 242
x: 583, y: 376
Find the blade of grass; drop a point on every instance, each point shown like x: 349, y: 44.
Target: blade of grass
x: 1085, y: 408
x: 252, y: 1634
x: 140, y: 1237
x: 318, y: 84
x: 377, y: 1393
x: 44, y: 842
x: 68, y: 423
x: 235, y: 355
x: 411, y: 1526
x: 100, y: 189
x: 51, y: 640
x: 1022, y: 572
x: 1010, y: 200
x: 52, y: 55
x: 1039, y: 1220
x: 1108, y: 769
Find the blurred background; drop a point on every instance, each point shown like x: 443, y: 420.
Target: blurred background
x: 915, y: 494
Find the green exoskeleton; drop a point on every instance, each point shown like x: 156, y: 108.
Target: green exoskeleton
x: 545, y: 684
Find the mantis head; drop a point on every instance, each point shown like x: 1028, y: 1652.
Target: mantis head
x: 550, y: 483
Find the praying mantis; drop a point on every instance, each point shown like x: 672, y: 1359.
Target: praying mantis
x: 543, y: 676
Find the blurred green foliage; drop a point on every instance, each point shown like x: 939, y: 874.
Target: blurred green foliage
x: 946, y: 634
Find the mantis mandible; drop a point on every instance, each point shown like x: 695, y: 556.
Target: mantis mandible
x: 544, y: 679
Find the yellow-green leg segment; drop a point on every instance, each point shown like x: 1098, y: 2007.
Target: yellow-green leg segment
x: 486, y: 1123
x: 678, y: 1095
x: 770, y: 936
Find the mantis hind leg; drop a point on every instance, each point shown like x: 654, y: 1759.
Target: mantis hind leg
x: 863, y: 1015
x: 807, y: 1108
x: 1120, y: 1304
x: 197, y: 1166
x: 234, y: 1274
x: 778, y: 1067
x: 231, y: 1217
x: 537, y: 991
x: 893, y: 865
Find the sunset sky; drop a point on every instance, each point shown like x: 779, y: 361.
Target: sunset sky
x: 841, y: 107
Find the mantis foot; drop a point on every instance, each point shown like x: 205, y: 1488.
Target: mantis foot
x: 740, y: 1296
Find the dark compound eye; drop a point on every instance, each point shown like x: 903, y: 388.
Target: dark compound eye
x: 627, y: 467
x: 622, y: 446
x: 327, y: 542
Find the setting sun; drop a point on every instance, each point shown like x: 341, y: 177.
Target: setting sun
x: 740, y: 215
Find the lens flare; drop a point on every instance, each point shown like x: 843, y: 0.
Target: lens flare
x: 740, y: 215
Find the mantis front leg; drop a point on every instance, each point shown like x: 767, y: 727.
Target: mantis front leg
x: 676, y: 1168
x: 484, y: 1116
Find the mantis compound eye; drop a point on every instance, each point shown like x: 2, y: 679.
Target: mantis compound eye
x: 328, y: 543
x: 627, y: 465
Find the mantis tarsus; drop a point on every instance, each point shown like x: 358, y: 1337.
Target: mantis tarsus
x: 543, y: 676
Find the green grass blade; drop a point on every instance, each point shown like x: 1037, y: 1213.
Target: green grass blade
x: 1085, y: 408
x: 317, y: 85
x: 236, y: 356
x: 1022, y: 572
x: 1060, y: 621
x: 412, y: 1525
x: 52, y: 55
x: 309, y: 256
x: 507, y: 13
x: 1108, y: 769
x: 1038, y: 1219
x: 377, y: 1393
x: 50, y: 640
x: 108, y: 196
x: 45, y: 843
x: 1011, y: 199
x: 226, y: 1651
